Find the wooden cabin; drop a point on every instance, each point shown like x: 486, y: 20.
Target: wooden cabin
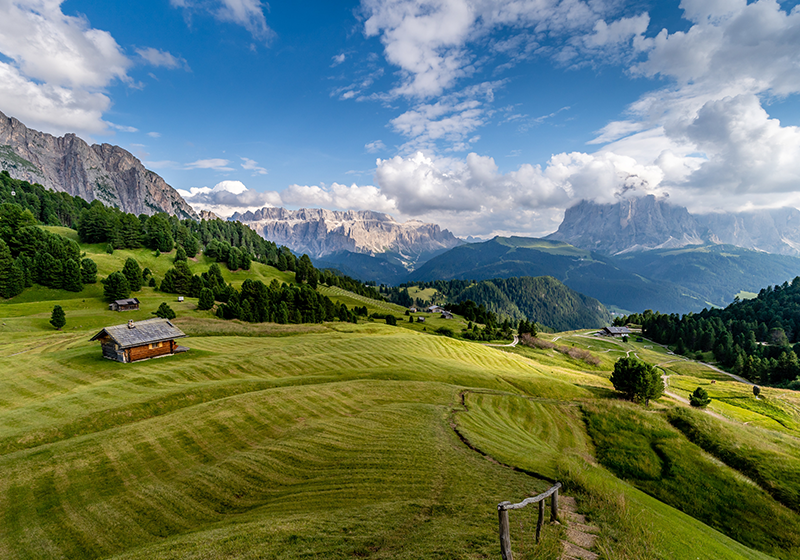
x: 615, y: 331
x: 140, y: 341
x: 131, y: 304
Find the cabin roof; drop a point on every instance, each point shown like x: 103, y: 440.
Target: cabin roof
x: 129, y: 301
x: 143, y: 332
x: 617, y: 330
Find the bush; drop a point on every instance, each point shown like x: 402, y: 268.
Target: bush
x: 164, y: 311
x: 699, y: 398
x: 58, y: 318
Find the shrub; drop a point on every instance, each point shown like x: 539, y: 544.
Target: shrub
x: 699, y: 398
x: 164, y: 311
x: 58, y: 318
x: 637, y: 380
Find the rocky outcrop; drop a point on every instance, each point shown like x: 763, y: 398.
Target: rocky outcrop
x: 319, y: 232
x: 641, y: 224
x: 98, y: 172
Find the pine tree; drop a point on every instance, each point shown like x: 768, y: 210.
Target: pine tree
x: 133, y: 273
x: 164, y: 311
x: 206, y: 300
x: 72, y: 276
x: 58, y: 318
x: 180, y: 254
x: 6, y: 264
x: 88, y: 271
x: 116, y: 287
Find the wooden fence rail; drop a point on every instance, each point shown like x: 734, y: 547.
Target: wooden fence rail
x: 502, y: 512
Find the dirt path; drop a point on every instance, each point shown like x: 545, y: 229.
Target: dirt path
x: 581, y: 537
x: 514, y: 343
x: 686, y: 401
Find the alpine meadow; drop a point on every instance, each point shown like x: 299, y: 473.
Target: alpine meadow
x: 400, y: 279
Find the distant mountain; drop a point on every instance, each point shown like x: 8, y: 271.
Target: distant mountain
x: 320, y: 233
x: 647, y: 223
x: 364, y: 267
x: 589, y: 273
x: 544, y: 300
x: 715, y: 272
x: 101, y: 171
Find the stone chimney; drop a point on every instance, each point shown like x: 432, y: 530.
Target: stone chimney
x: 131, y: 325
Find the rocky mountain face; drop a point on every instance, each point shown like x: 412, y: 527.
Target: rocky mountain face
x: 101, y: 171
x: 319, y: 232
x: 641, y: 224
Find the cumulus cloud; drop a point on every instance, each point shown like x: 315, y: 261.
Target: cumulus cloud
x: 429, y: 40
x: 154, y: 134
x: 217, y: 164
x: 247, y: 13
x: 228, y: 197
x: 159, y: 58
x: 58, y: 67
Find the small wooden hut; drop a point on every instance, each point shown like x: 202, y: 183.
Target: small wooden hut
x: 131, y: 304
x: 615, y: 331
x: 140, y: 341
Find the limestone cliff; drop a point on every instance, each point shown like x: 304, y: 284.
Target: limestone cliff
x: 101, y: 171
x: 319, y: 232
x: 640, y: 224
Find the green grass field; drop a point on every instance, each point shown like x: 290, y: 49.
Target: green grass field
x: 364, y: 440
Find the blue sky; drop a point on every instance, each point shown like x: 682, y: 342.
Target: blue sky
x: 485, y: 116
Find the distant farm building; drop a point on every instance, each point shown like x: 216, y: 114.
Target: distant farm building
x: 446, y: 315
x: 420, y: 319
x: 435, y: 309
x: 131, y: 304
x: 615, y: 331
x: 412, y: 309
x: 140, y: 341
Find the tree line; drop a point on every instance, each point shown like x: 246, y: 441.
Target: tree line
x: 758, y: 339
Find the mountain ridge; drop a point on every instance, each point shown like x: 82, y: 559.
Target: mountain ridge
x: 98, y: 172
x: 647, y: 223
x: 320, y: 233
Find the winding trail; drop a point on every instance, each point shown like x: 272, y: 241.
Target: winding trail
x: 511, y: 345
x: 686, y: 401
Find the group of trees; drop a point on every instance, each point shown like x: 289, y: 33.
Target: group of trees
x: 757, y: 338
x: 31, y: 255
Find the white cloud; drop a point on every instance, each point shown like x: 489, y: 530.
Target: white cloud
x: 429, y: 40
x: 247, y: 13
x: 217, y: 164
x: 58, y: 68
x: 252, y: 165
x: 123, y: 128
x: 228, y: 197
x: 375, y: 147
x: 164, y: 59
x: 338, y: 59
x: 154, y: 134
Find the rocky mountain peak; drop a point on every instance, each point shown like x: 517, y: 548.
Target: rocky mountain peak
x: 320, y: 232
x: 99, y: 172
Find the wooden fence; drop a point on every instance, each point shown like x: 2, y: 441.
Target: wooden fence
x: 502, y: 512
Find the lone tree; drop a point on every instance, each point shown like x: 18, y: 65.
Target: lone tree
x: 699, y: 398
x: 164, y: 311
x: 637, y: 380
x: 58, y: 318
x: 116, y: 287
x: 756, y: 390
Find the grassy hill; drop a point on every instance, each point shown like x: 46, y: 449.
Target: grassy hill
x: 341, y: 440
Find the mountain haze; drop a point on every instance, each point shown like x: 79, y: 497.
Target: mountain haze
x: 99, y: 172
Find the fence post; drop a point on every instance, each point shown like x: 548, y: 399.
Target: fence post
x: 505, y: 537
x: 540, y: 521
x: 554, y: 507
